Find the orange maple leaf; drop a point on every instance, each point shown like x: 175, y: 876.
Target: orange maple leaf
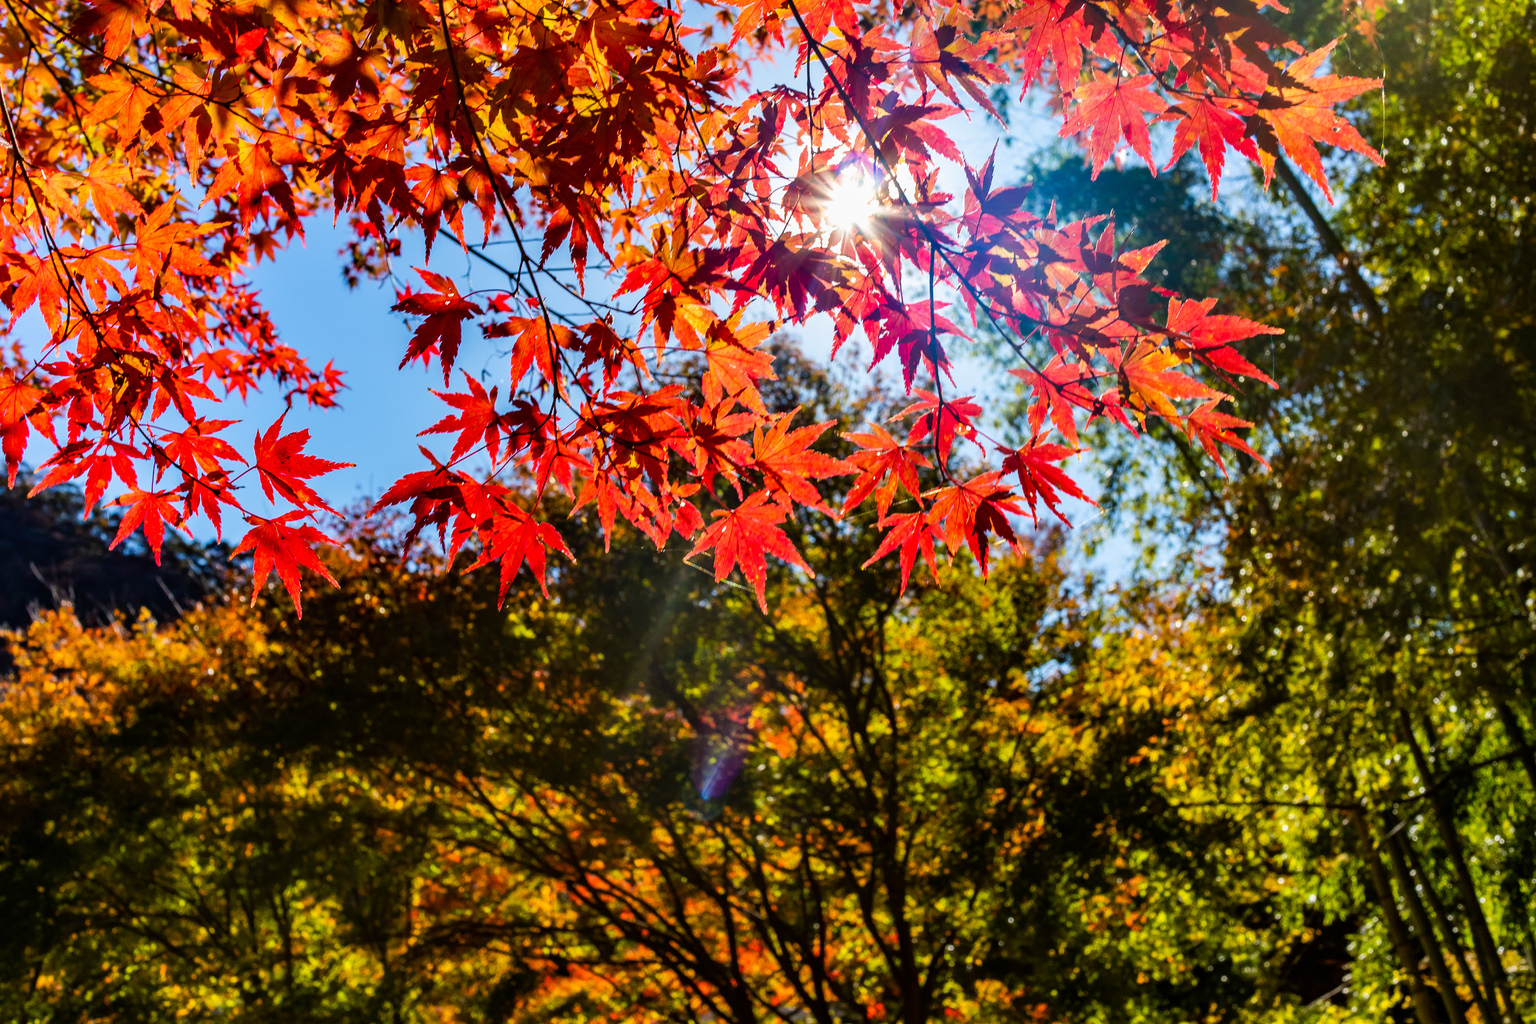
x: 1149, y: 383
x: 1299, y: 112
x: 1212, y: 428
x: 118, y: 22
x: 789, y: 465
x: 971, y: 510
x: 17, y: 402
x: 736, y: 364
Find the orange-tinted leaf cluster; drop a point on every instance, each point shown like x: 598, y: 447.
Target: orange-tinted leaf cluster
x: 156, y: 151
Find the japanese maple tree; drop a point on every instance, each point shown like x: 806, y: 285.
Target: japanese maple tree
x: 667, y: 210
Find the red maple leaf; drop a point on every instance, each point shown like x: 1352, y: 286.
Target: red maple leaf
x: 971, y: 510
x: 1201, y: 120
x: 285, y: 548
x: 195, y: 449
x: 987, y: 210
x: 883, y: 466
x: 439, y: 496
x: 676, y: 281
x: 17, y: 399
x: 206, y: 493
x: 1209, y: 338
x: 797, y: 279
x: 1059, y: 389
x: 757, y: 14
x: 824, y: 13
x: 151, y: 510
x: 476, y: 422
x: 1050, y: 30
x: 714, y: 446
x: 944, y: 420
x: 513, y: 536
x: 552, y: 457
x: 13, y: 442
x: 536, y: 344
x: 906, y: 328
x: 943, y: 53
x: 111, y: 458
x: 283, y: 466
x: 742, y: 535
x: 17, y: 402
x: 1113, y: 108
x: 1040, y: 477
x: 443, y: 329
x: 912, y: 532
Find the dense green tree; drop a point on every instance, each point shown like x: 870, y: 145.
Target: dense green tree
x: 1374, y: 581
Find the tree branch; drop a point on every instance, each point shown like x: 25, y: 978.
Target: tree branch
x: 1331, y: 241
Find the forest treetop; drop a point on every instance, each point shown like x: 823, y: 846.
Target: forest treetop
x: 157, y: 151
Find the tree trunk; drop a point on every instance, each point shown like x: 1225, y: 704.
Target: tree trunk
x: 1516, y: 735
x: 1426, y: 931
x: 1331, y: 241
x: 1529, y: 940
x: 1482, y: 938
x: 1423, y: 1003
x: 1448, y: 931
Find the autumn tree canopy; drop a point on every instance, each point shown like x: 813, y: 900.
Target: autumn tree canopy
x: 668, y: 209
x: 641, y: 801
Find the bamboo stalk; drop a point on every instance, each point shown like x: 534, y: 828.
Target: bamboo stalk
x: 1516, y: 735
x: 1426, y: 931
x: 1448, y: 933
x: 1482, y: 938
x: 1423, y: 1005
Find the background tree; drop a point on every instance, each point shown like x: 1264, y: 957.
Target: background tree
x: 51, y: 554
x: 1377, y: 626
x: 866, y: 805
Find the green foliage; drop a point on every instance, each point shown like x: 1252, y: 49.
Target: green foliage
x: 1370, y: 596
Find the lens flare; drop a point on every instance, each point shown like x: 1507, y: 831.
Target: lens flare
x: 850, y: 203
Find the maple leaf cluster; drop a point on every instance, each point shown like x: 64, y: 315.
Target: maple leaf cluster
x: 156, y: 149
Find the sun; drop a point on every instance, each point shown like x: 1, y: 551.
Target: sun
x: 850, y: 203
